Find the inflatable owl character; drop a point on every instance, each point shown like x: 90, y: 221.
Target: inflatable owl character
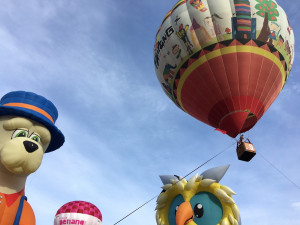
x: 198, y: 201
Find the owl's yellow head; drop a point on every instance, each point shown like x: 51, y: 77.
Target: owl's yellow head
x: 199, y: 201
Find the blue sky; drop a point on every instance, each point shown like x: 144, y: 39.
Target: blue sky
x: 94, y: 61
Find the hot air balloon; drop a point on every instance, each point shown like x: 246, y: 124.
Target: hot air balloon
x: 78, y: 212
x: 224, y: 62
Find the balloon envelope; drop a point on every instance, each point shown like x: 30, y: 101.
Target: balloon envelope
x: 224, y: 61
x: 78, y: 212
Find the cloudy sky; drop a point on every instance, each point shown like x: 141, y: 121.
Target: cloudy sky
x: 93, y: 59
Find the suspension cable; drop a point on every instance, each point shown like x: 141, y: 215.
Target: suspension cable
x: 176, y: 182
x: 279, y: 171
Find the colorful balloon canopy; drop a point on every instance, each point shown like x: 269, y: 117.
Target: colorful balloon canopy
x: 78, y: 212
x: 224, y: 62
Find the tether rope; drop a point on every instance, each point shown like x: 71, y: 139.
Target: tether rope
x: 279, y: 171
x: 274, y: 167
x: 176, y: 182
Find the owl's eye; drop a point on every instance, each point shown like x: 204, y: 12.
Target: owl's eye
x: 207, y: 208
x: 19, y: 133
x: 198, y: 210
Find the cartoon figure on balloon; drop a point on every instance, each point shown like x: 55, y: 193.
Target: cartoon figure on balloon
x: 198, y: 4
x: 177, y: 52
x: 27, y: 131
x: 182, y: 34
x: 168, y: 77
x: 168, y: 73
x: 213, y: 26
x: 274, y: 32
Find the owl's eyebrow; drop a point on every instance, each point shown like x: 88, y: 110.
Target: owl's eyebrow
x: 16, y: 123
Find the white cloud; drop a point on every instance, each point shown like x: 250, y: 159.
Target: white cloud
x: 296, y: 206
x: 94, y: 61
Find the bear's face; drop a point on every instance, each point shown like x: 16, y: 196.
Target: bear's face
x: 22, y: 144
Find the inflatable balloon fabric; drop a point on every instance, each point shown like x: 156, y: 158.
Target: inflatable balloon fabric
x: 78, y: 212
x: 200, y: 200
x: 224, y: 62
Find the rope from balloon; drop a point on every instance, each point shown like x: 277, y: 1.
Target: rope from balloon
x: 176, y: 182
x: 274, y: 167
x: 279, y: 171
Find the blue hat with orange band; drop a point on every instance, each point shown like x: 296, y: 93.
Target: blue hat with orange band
x: 35, y: 107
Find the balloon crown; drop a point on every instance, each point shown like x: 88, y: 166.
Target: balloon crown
x: 80, y: 207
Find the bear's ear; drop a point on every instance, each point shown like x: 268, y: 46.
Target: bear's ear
x: 216, y: 173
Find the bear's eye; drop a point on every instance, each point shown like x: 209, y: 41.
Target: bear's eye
x: 35, y: 137
x: 20, y: 133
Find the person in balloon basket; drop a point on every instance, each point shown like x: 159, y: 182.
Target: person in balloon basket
x: 27, y: 131
x: 243, y: 139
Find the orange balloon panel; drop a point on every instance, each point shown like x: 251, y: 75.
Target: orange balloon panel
x: 230, y: 86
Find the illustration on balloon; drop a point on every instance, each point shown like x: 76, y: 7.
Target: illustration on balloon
x: 224, y: 62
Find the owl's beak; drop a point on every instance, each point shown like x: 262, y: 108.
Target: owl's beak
x: 184, y: 214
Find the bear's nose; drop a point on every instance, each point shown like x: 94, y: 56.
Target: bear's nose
x: 30, y: 146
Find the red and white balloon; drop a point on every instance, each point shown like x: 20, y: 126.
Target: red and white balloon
x: 78, y: 212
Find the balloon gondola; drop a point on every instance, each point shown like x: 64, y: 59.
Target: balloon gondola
x: 224, y: 62
x: 245, y: 149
